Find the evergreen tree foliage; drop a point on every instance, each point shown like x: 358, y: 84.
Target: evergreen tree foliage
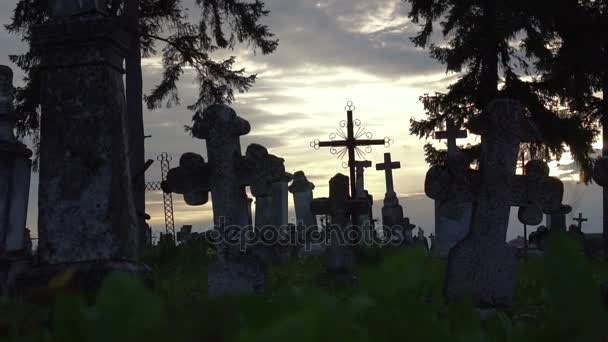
x: 488, y: 43
x: 185, y: 43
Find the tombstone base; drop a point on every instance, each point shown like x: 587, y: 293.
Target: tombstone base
x: 10, y: 269
x: 242, y: 277
x: 482, y: 272
x: 86, y: 277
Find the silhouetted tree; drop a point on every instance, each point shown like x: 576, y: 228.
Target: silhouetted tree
x: 574, y: 64
x: 222, y: 25
x: 482, y: 43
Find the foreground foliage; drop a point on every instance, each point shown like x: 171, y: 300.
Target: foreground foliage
x: 397, y: 298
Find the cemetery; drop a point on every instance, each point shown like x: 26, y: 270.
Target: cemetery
x: 346, y: 266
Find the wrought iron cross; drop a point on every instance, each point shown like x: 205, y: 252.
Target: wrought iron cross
x: 350, y: 143
x: 580, y: 221
x: 451, y: 133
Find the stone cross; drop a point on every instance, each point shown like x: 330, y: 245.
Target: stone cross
x: 579, y: 220
x: 392, y: 212
x: 302, y: 190
x: 339, y: 206
x: 388, y: 166
x: 451, y: 133
x: 272, y: 210
x: 87, y: 219
x: 452, y: 216
x: 226, y: 175
x: 482, y: 266
x: 15, y: 171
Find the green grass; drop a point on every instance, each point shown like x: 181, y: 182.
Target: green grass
x: 398, y: 297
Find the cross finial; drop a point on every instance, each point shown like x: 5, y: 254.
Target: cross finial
x: 451, y: 133
x: 579, y: 220
x: 388, y: 166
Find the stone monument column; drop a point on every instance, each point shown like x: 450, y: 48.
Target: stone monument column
x: 302, y: 190
x: 15, y: 171
x: 86, y: 210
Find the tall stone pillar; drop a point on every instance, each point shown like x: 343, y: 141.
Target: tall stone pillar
x: 15, y: 171
x: 302, y: 190
x: 86, y: 211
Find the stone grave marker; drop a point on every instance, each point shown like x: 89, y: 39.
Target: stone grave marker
x: 399, y: 227
x: 482, y: 266
x: 452, y: 215
x: 87, y: 218
x: 339, y: 206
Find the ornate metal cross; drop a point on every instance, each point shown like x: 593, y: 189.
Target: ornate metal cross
x: 580, y: 219
x: 350, y: 143
x: 451, y: 133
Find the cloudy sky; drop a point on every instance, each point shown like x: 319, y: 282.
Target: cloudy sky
x: 330, y: 52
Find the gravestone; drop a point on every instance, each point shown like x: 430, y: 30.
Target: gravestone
x: 482, y: 266
x: 15, y: 172
x: 452, y: 215
x: 339, y: 206
x: 226, y: 175
x: 556, y: 219
x: 306, y: 223
x: 302, y: 191
x: 399, y: 227
x: 87, y: 219
x: 363, y: 221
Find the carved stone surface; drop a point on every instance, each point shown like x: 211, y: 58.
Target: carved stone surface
x: 260, y: 170
x: 482, y: 266
x: 222, y: 128
x: 86, y: 210
x: 192, y: 179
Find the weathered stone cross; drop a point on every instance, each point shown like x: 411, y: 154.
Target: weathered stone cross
x: 451, y: 133
x: 482, y: 266
x: 388, y: 166
x: 579, y: 220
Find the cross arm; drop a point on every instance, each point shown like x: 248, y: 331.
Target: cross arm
x: 447, y: 135
x: 543, y: 193
x: 337, y: 143
x: 368, y: 142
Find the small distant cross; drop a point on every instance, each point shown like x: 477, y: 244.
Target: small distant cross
x: 388, y: 166
x: 451, y: 133
x: 580, y: 219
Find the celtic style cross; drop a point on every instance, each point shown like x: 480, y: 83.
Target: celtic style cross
x: 350, y: 143
x: 579, y: 220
